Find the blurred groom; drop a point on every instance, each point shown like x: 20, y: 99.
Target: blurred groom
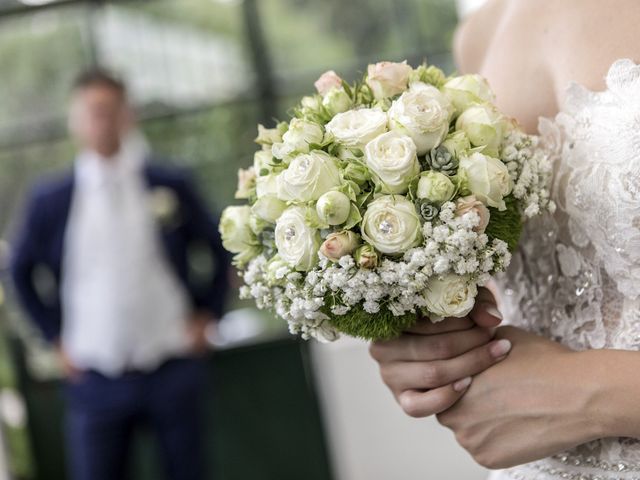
x: 127, y: 314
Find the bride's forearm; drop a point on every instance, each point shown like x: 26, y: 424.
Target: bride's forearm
x: 615, y: 391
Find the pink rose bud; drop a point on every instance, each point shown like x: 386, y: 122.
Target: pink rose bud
x: 327, y: 81
x: 472, y: 204
x: 387, y: 79
x: 246, y: 181
x: 339, y: 244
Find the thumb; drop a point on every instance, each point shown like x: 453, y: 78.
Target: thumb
x: 485, y: 312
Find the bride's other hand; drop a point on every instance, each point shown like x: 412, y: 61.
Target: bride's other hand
x: 543, y: 389
x: 430, y: 366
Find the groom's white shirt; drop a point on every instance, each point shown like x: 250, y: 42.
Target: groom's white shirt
x: 123, y: 306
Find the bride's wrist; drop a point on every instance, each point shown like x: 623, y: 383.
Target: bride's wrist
x: 611, y: 389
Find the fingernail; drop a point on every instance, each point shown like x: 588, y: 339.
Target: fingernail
x: 500, y: 348
x: 494, y: 312
x: 461, y: 385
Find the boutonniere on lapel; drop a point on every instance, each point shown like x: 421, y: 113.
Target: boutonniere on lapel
x: 165, y: 207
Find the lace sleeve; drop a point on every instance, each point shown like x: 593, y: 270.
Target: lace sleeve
x: 527, y: 283
x: 524, y: 290
x: 602, y: 197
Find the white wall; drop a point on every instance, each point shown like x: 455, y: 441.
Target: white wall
x: 369, y: 436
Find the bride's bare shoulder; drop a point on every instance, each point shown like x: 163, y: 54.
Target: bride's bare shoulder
x: 584, y: 37
x: 568, y: 40
x: 505, y: 27
x: 473, y: 36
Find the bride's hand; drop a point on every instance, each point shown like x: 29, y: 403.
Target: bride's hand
x: 429, y: 368
x: 537, y: 402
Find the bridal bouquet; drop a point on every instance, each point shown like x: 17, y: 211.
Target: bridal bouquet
x: 381, y: 201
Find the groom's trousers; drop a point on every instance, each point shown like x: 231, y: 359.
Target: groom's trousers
x: 103, y: 414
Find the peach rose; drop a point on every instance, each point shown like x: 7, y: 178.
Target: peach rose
x: 327, y: 81
x: 387, y: 79
x: 472, y: 204
x: 339, y: 244
x: 246, y: 182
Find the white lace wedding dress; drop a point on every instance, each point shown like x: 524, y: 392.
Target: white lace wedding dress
x: 576, y: 278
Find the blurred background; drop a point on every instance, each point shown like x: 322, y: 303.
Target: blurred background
x: 202, y: 74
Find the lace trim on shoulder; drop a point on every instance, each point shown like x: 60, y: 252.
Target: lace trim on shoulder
x: 622, y: 81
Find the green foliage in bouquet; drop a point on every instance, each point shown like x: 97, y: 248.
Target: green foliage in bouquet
x: 384, y: 325
x: 506, y: 225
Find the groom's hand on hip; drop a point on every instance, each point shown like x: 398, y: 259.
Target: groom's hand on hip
x: 430, y: 366
x: 70, y: 372
x: 199, y: 327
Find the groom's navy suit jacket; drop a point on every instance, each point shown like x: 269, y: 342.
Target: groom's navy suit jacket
x: 41, y: 243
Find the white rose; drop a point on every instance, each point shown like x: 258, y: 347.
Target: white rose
x: 267, y: 185
x: 484, y: 127
x: 235, y: 229
x: 348, y: 155
x: 269, y: 136
x: 457, y: 144
x: 356, y: 172
x: 327, y: 82
x: 423, y: 113
x: 296, y: 242
x: 283, y: 151
x: 487, y: 178
x: 387, y: 79
x: 435, y: 187
x: 301, y: 134
x: 311, y: 102
x: 450, y: 296
x: 262, y: 161
x: 246, y: 182
x: 391, y: 225
x: 257, y: 224
x: 466, y: 90
x: 337, y: 101
x: 308, y: 177
x: 268, y: 208
x: 356, y: 128
x: 339, y: 244
x: 333, y: 208
x: 392, y: 159
x: 311, y: 106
